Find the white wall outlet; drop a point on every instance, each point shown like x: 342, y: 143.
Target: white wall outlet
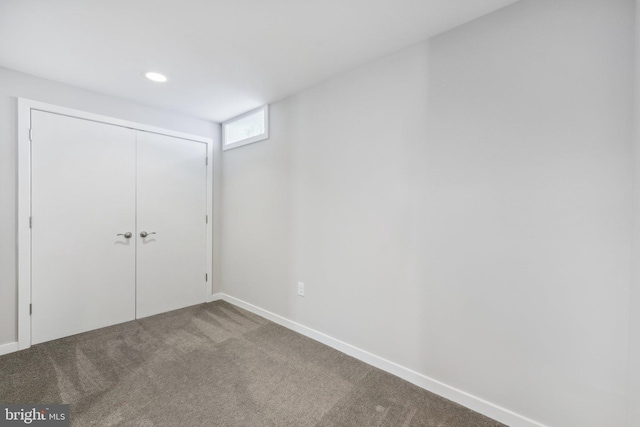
x: 301, y: 289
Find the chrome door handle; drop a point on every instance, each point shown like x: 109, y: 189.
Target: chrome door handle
x: 126, y: 235
x: 145, y: 234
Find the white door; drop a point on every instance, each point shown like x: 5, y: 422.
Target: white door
x: 83, y: 200
x: 172, y: 207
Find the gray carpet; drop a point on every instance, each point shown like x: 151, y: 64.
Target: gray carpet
x: 216, y: 365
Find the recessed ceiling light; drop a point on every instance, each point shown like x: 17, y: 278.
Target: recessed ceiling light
x: 156, y: 77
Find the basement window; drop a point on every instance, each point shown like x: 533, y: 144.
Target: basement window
x: 246, y: 128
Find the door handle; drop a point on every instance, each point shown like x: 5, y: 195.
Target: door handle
x: 126, y: 235
x: 145, y: 234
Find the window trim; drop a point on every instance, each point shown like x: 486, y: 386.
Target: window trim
x: 250, y: 140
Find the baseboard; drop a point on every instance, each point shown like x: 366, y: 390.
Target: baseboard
x: 8, y: 348
x: 214, y: 297
x: 477, y: 404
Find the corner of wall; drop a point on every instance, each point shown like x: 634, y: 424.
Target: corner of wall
x: 633, y: 393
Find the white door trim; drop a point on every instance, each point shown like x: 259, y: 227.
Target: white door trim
x: 24, y: 198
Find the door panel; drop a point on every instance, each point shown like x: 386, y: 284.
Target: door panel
x: 171, y: 189
x: 83, y: 195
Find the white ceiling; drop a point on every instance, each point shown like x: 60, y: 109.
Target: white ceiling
x: 222, y: 57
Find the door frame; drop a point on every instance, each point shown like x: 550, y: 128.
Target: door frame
x: 25, y: 106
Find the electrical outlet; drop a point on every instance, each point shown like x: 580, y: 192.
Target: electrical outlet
x: 301, y: 289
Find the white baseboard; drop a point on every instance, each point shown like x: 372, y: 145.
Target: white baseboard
x: 214, y: 297
x: 8, y: 348
x: 477, y: 404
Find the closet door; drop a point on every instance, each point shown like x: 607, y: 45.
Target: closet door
x: 172, y: 206
x: 83, y: 201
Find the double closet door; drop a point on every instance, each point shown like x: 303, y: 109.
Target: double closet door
x: 118, y: 224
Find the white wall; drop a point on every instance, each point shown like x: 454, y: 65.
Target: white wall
x: 14, y: 85
x: 462, y: 208
x: 634, y: 332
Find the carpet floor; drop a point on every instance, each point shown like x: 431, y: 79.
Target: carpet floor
x: 216, y: 365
